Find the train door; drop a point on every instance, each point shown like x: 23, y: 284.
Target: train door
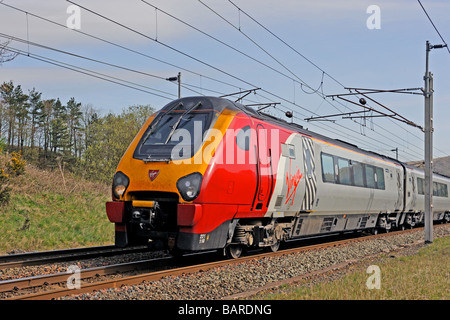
x: 410, y: 190
x: 289, y: 189
x: 401, y: 181
x: 309, y: 174
x: 264, y: 167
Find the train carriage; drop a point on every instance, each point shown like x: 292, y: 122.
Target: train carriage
x: 208, y: 173
x: 415, y: 196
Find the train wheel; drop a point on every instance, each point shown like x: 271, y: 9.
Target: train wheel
x: 176, y: 253
x: 275, y: 246
x: 234, y: 251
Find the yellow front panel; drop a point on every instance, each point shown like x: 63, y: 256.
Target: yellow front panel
x: 170, y: 172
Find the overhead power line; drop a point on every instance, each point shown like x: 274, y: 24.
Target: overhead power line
x: 285, y: 43
x: 119, y: 46
x: 434, y: 26
x: 258, y: 45
x: 218, y: 69
x: 308, y: 60
x: 314, y: 91
x: 222, y: 42
x: 341, y: 128
x: 88, y: 72
x: 164, y: 44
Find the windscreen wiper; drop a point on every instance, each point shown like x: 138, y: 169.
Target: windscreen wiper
x: 175, y: 125
x: 154, y: 125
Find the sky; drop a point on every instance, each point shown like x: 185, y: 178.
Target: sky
x: 119, y: 53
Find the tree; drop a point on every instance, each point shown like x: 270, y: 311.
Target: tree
x: 5, y: 54
x: 22, y: 116
x: 59, y: 136
x: 15, y: 111
x: 74, y: 116
x: 7, y: 94
x: 35, y: 107
x: 111, y: 136
x: 74, y: 136
x: 44, y: 117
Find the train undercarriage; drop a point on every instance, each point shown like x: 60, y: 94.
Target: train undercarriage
x: 155, y: 220
x: 270, y: 233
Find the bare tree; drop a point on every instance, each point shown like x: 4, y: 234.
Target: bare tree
x: 5, y: 54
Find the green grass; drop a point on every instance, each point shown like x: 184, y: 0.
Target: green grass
x: 46, y: 212
x: 423, y: 276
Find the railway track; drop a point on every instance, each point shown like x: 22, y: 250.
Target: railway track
x: 46, y: 257
x: 55, y: 286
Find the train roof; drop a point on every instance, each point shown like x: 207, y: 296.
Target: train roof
x: 219, y: 104
x: 300, y: 129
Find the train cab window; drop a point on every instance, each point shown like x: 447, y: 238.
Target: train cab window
x: 177, y: 132
x: 358, y: 174
x: 370, y: 176
x: 328, y: 174
x: 344, y: 171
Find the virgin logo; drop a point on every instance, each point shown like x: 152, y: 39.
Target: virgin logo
x: 292, y: 182
x: 152, y: 174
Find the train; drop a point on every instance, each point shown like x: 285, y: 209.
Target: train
x: 208, y: 173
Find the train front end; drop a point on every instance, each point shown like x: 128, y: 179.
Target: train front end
x: 158, y: 181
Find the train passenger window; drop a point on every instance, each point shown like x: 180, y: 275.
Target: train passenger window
x: 328, y: 174
x: 380, y: 178
x: 440, y: 189
x: 420, y: 186
x: 370, y: 176
x: 344, y: 171
x: 358, y: 174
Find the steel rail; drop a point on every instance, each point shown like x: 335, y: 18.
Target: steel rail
x: 54, y: 278
x: 154, y: 276
x: 44, y: 257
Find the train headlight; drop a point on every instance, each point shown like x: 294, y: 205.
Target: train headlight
x: 189, y: 186
x: 120, y: 184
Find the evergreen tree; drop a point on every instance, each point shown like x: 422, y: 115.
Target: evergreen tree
x: 35, y: 108
x: 74, y: 116
x: 74, y: 136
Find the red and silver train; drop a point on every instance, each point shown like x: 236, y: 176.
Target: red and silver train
x: 207, y: 173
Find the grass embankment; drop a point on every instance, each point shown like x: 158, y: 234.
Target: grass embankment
x: 49, y: 210
x: 422, y: 276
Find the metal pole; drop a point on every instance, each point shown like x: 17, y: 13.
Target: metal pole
x: 428, y: 93
x: 178, y: 80
x: 396, y: 152
x: 179, y: 84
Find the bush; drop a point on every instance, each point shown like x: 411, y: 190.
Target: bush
x: 5, y: 190
x: 14, y: 167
